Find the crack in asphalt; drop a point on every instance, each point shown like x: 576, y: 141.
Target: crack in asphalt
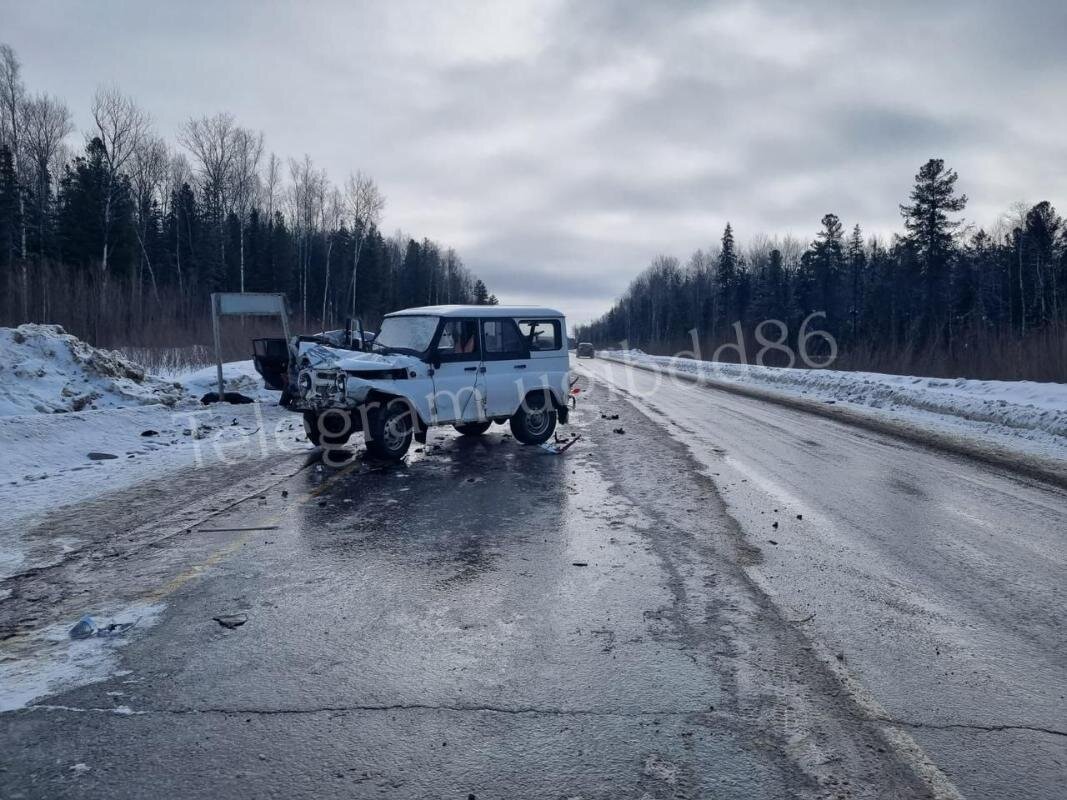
x: 488, y: 709
x: 948, y: 726
x: 513, y: 710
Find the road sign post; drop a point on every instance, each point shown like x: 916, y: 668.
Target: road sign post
x: 244, y: 304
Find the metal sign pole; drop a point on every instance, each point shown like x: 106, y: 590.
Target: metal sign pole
x: 218, y: 342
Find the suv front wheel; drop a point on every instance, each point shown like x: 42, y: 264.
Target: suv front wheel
x: 535, y: 420
x: 390, y: 431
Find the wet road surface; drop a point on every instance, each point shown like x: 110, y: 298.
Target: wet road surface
x: 489, y: 620
x: 935, y: 585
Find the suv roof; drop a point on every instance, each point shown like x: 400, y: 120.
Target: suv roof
x: 478, y: 311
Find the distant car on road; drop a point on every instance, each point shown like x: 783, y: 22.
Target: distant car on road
x: 465, y: 366
x: 585, y: 350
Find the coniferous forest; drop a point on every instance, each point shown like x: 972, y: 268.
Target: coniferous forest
x: 940, y: 298
x: 123, y: 239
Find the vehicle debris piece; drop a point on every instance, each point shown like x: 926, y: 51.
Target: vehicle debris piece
x: 608, y: 416
x: 560, y: 445
x: 150, y: 432
x: 95, y: 456
x: 233, y: 398
x: 84, y: 629
x: 579, y: 563
x: 231, y: 621
x: 619, y: 430
x: 114, y: 629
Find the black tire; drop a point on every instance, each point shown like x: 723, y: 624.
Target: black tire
x: 473, y: 428
x: 311, y: 428
x: 332, y: 427
x: 535, y: 420
x: 390, y: 430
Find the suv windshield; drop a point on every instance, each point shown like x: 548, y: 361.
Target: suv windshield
x: 406, y: 334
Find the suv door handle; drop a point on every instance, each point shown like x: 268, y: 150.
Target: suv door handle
x: 520, y: 366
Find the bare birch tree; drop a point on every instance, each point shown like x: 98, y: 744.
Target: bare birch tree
x: 304, y: 198
x: 121, y: 125
x: 211, y: 140
x: 46, y: 123
x: 272, y: 187
x: 148, y: 174
x: 332, y: 211
x: 248, y: 150
x: 365, y: 204
x: 179, y: 174
x: 12, y: 92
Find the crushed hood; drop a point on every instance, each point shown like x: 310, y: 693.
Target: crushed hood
x: 323, y: 357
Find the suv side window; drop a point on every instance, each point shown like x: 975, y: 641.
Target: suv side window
x: 541, y: 334
x: 458, y: 341
x: 503, y: 341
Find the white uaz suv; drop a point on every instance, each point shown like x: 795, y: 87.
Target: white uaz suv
x: 467, y: 366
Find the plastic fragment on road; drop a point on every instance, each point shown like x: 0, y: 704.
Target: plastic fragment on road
x: 560, y: 445
x: 114, y: 629
x: 87, y: 628
x: 231, y: 621
x: 84, y: 629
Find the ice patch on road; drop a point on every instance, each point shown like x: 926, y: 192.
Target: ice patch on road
x: 48, y: 661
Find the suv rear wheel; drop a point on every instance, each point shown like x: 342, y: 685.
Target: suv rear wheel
x: 473, y: 428
x: 535, y: 420
x: 390, y: 431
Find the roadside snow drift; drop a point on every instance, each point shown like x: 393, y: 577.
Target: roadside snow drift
x: 43, y: 369
x: 1024, y: 414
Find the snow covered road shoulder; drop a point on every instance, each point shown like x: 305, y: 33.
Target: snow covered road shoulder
x: 1022, y: 417
x: 76, y: 422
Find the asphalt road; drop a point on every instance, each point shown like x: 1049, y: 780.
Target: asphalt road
x: 490, y: 620
x: 934, y: 586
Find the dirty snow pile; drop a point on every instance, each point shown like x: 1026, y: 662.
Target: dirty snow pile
x: 43, y: 369
x: 76, y: 421
x: 1025, y: 414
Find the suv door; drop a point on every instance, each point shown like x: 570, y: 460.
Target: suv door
x: 458, y: 378
x: 507, y: 364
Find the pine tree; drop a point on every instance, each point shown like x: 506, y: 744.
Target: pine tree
x: 929, y: 229
x: 726, y: 279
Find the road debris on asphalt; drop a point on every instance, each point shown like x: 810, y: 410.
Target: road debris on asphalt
x: 84, y: 629
x: 87, y: 628
x: 231, y: 621
x: 560, y: 445
x: 95, y: 456
x: 619, y: 430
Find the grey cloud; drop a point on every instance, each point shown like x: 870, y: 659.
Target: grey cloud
x: 561, y: 146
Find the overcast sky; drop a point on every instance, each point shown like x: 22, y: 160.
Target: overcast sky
x: 559, y: 146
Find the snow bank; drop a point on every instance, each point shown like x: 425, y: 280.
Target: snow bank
x: 1009, y: 410
x: 237, y: 376
x: 43, y: 369
x: 121, y: 426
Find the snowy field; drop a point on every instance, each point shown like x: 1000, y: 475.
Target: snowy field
x: 76, y: 422
x: 1023, y: 416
